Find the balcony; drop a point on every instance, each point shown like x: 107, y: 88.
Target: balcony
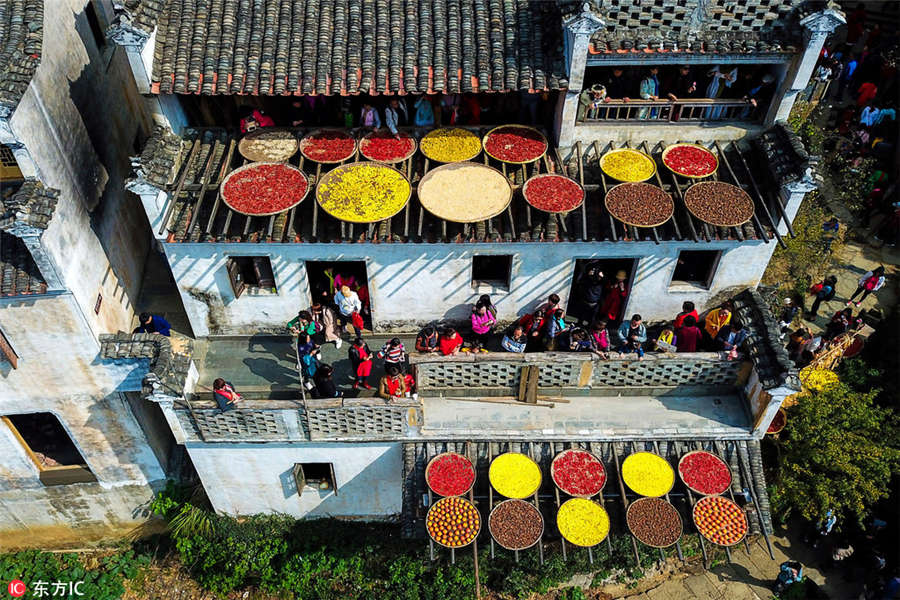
x: 682, y: 112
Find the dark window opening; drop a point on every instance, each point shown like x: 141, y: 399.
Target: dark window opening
x: 317, y: 475
x: 590, y: 288
x: 696, y: 267
x: 492, y: 269
x: 250, y: 272
x: 94, y: 22
x: 324, y: 274
x: 50, y: 448
x: 9, y: 170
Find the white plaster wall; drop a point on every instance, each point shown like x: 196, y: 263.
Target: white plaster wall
x: 669, y: 133
x: 58, y: 372
x: 78, y: 120
x: 415, y: 283
x: 243, y: 479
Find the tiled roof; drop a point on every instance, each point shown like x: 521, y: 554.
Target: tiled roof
x: 19, y: 275
x: 350, y: 46
x: 717, y: 26
x: 783, y: 152
x: 766, y: 348
x: 32, y: 205
x: 143, y: 13
x: 168, y: 369
x: 21, y: 32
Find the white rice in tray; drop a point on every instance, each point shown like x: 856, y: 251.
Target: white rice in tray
x: 465, y: 192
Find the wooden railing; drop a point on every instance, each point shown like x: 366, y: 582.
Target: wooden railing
x: 673, y: 111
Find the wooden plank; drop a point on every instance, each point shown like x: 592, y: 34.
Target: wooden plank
x: 7, y: 350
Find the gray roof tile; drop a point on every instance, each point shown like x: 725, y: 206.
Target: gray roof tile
x: 32, y: 205
x: 21, y: 35
x: 19, y: 275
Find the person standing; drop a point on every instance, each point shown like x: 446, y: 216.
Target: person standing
x: 361, y: 360
x: 368, y: 116
x: 225, y: 395
x: 395, y: 115
x: 718, y: 81
x: 688, y: 335
x: 153, y: 324
x: 482, y: 323
x: 715, y: 320
x: 326, y: 323
x: 556, y: 324
x: 349, y: 305
x: 824, y: 292
x: 683, y: 87
x: 649, y: 90
x: 393, y: 353
x: 872, y: 281
x: 839, y: 324
x: 614, y: 301
x: 830, y: 230
x: 324, y: 380
x: 424, y: 115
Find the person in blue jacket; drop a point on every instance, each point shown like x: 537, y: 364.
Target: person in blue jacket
x: 153, y: 324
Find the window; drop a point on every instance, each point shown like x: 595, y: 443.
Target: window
x: 50, y: 448
x: 253, y: 272
x: 94, y: 22
x: 9, y: 167
x: 492, y: 269
x: 696, y: 268
x: 6, y: 351
x: 317, y: 475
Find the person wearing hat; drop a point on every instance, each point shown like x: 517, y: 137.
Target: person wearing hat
x: 349, y: 305
x: 589, y: 101
x: 614, y: 300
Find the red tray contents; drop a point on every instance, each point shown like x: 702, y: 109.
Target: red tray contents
x: 515, y: 144
x: 382, y: 146
x: 261, y: 189
x: 450, y: 474
x: 328, y: 146
x: 690, y: 160
x: 553, y: 193
x: 705, y: 473
x: 578, y: 473
x: 778, y: 422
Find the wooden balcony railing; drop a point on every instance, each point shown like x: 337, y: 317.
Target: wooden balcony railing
x: 696, y: 110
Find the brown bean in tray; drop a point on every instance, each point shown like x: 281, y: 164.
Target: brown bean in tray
x: 654, y: 522
x: 720, y: 204
x: 516, y: 524
x: 639, y: 204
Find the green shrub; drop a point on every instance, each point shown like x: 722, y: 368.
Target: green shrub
x: 104, y: 582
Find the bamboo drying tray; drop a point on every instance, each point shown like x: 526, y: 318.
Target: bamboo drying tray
x: 250, y: 166
x: 513, y: 126
x: 429, y: 200
x: 267, y: 134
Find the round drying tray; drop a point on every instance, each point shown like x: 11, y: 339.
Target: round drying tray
x: 363, y: 192
x: 458, y: 467
x: 453, y: 522
x: 366, y: 146
x: 269, y: 145
x: 589, y: 465
x: 614, y: 164
x: 464, y: 192
x: 450, y: 145
x: 709, y: 155
x: 560, y: 194
x: 639, y: 204
x: 778, y: 422
x: 722, y: 466
x: 720, y: 520
x: 503, y: 148
x: 648, y: 474
x: 335, y: 146
x: 718, y: 203
x: 528, y: 515
x: 274, y: 187
x: 663, y: 510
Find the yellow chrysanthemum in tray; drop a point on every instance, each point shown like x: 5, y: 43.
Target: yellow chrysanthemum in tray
x: 363, y: 192
x: 450, y: 144
x: 648, y: 474
x: 514, y: 475
x: 582, y: 522
x: 818, y: 380
x: 628, y: 165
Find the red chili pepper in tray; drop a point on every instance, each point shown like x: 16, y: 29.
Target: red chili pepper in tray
x: 705, y: 473
x: 691, y: 160
x: 328, y: 146
x: 450, y: 474
x: 553, y: 193
x: 383, y: 146
x: 264, y: 189
x: 515, y: 144
x: 579, y: 473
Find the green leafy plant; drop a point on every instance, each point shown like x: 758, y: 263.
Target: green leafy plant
x: 838, y: 452
x: 103, y: 581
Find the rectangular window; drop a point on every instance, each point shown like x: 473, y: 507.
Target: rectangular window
x: 6, y: 351
x: 50, y: 448
x: 696, y: 268
x: 250, y: 272
x: 492, y: 269
x: 315, y: 475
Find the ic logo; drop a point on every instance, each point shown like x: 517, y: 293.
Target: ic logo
x: 16, y: 588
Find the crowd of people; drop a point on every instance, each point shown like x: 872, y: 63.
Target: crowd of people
x: 755, y: 85
x: 420, y: 110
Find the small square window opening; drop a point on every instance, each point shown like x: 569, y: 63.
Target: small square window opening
x: 316, y: 475
x: 696, y: 267
x: 250, y: 272
x: 492, y: 269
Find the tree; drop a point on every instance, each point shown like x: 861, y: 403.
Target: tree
x: 838, y: 452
